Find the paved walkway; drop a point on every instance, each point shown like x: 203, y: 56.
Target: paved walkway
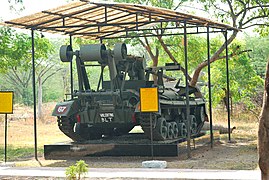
x: 132, y: 173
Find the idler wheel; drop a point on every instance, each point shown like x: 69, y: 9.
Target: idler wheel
x: 182, y: 130
x: 200, y: 114
x: 162, y: 128
x: 175, y: 129
x: 170, y: 132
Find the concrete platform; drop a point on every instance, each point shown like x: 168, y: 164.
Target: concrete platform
x: 65, y: 151
x: 131, y: 173
x: 128, y: 145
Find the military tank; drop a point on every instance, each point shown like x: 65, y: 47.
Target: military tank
x: 113, y: 107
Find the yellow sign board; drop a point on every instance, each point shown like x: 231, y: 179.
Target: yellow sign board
x: 149, y: 100
x: 6, y: 102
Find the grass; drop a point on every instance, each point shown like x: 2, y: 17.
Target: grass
x: 18, y: 153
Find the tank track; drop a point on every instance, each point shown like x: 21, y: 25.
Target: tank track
x: 163, y: 130
x: 67, y: 127
x: 145, y: 124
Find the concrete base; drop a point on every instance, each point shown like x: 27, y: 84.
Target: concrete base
x: 126, y: 145
x: 60, y: 151
x: 154, y: 164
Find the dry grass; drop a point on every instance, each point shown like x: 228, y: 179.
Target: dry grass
x: 240, y: 154
x: 21, y: 130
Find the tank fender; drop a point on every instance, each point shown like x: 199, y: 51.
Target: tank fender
x: 66, y: 108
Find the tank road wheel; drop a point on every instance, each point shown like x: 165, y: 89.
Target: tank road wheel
x: 170, y: 132
x: 193, y: 124
x: 183, y: 116
x: 182, y: 130
x: 161, y: 128
x: 175, y: 129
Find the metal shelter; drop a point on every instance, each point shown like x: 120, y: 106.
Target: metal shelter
x: 95, y: 20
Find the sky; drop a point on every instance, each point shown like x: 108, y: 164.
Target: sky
x: 31, y: 6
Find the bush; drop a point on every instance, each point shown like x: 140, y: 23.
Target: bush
x: 77, y: 170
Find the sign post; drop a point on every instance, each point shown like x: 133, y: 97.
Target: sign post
x: 6, y: 107
x: 149, y: 103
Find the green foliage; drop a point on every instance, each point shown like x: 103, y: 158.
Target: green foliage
x: 77, y: 170
x: 71, y: 172
x: 259, y: 54
x: 244, y: 82
x: 16, y: 61
x: 240, y: 14
x: 16, y: 48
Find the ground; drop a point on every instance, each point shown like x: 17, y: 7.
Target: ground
x: 239, y: 153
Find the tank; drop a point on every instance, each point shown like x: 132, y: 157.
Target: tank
x: 112, y: 108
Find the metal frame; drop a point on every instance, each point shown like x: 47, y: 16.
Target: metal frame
x: 209, y: 88
x: 140, y: 19
x: 228, y: 86
x: 34, y: 90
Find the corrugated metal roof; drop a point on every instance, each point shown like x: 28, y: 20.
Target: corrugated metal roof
x: 107, y: 20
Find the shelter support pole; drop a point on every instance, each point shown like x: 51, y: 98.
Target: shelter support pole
x: 187, y: 91
x: 209, y: 88
x: 71, y: 70
x: 228, y: 87
x: 34, y: 90
x: 5, y: 138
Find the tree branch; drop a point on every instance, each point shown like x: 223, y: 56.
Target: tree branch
x: 51, y: 75
x: 240, y: 23
x: 16, y: 75
x: 261, y: 6
x: 168, y: 52
x: 235, y: 54
x: 234, y: 17
x: 250, y: 8
x: 147, y: 48
x: 177, y: 6
x: 253, y: 18
x: 204, y: 63
x: 256, y: 24
x: 212, y: 59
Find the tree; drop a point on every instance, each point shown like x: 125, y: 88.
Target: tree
x: 244, y: 82
x: 15, y: 51
x: 259, y: 54
x: 243, y: 14
x: 46, y: 68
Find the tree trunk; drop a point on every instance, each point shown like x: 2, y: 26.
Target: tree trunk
x: 155, y: 58
x: 170, y: 55
x: 39, y: 104
x: 263, y: 134
x: 65, y: 83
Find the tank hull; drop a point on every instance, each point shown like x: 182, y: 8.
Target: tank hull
x: 113, y: 108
